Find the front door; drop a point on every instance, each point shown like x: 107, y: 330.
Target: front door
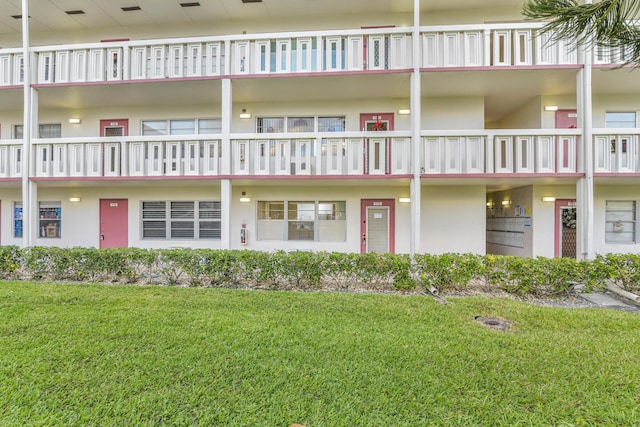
x: 114, y: 223
x: 377, y: 153
x: 114, y: 127
x: 565, y: 228
x: 378, y: 225
x: 566, y: 119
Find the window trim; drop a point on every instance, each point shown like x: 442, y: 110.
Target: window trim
x: 196, y: 219
x: 338, y: 215
x: 635, y: 221
x: 167, y: 122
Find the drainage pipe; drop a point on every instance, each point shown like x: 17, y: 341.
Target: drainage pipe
x: 619, y: 291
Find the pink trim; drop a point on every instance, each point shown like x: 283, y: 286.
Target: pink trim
x: 498, y: 68
x: 319, y: 74
x: 10, y: 179
x: 124, y: 123
x: 617, y: 174
x: 115, y: 40
x: 11, y: 87
x: 391, y: 204
x: 504, y: 175
x: 613, y: 66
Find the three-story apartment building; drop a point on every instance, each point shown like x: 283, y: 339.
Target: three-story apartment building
x: 402, y: 126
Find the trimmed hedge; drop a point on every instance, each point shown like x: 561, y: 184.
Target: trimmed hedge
x: 319, y: 270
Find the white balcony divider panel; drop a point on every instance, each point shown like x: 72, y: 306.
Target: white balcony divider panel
x: 503, y: 149
x: 623, y: 153
x: 176, y: 61
x: 333, y: 54
x: 138, y: 62
x: 263, y: 56
x: 334, y: 155
x: 545, y: 49
x: 377, y: 52
x: 4, y: 161
x: 453, y: 154
x: 524, y: 154
x: 111, y: 158
x: 15, y: 165
x: 241, y: 158
x: 262, y: 157
x: 60, y: 165
x: 501, y: 48
x: 566, y: 153
x: 174, y: 161
x: 283, y: 56
x: 96, y: 65
x: 355, y: 155
x: 430, y: 50
x: 136, y: 159
x: 211, y: 157
x: 156, y: 68
x: 432, y: 155
x: 377, y: 156
x: 191, y: 162
x: 283, y: 157
x: 400, y: 154
x: 194, y: 59
x: 473, y: 48
x: 94, y: 159
x: 18, y: 65
x: 62, y: 64
x: 474, y: 154
x: 6, y: 76
x: 155, y: 160
x: 76, y: 160
x: 602, y: 154
x: 115, y: 64
x: 566, y: 54
x: 522, y: 46
x: 355, y: 56
x: 242, y: 58
x: 545, y: 154
x: 302, y: 149
x: 78, y: 68
x: 214, y: 59
x: 451, y: 50
x: 400, y: 52
x: 43, y: 160
x: 304, y: 55
x: 45, y: 67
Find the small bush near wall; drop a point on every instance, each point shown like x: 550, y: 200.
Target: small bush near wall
x: 320, y: 270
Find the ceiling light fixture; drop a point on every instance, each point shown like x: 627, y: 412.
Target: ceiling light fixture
x: 191, y: 4
x: 130, y: 8
x: 251, y: 1
x: 74, y: 12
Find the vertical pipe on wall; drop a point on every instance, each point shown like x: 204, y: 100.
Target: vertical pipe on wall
x: 416, y: 113
x: 28, y: 217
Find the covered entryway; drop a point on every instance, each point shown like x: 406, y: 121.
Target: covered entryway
x: 377, y: 225
x: 114, y: 223
x: 377, y: 150
x: 565, y: 228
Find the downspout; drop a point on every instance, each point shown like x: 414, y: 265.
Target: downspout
x: 27, y: 209
x: 416, y: 113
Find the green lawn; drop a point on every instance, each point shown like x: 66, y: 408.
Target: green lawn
x: 82, y: 355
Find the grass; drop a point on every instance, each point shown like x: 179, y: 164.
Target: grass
x: 92, y: 355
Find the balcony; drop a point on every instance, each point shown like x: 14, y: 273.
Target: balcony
x: 382, y: 49
x: 616, y: 151
x: 338, y: 154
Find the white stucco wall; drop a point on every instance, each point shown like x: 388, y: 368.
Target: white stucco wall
x: 459, y: 112
x: 613, y: 103
x: 453, y: 219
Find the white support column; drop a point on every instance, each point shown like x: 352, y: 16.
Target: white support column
x: 584, y: 187
x: 225, y: 215
x: 416, y: 113
x: 28, y: 215
x: 225, y: 168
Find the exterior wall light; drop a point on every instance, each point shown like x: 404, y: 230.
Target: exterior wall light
x: 75, y: 199
x: 244, y: 198
x: 490, y: 205
x: 548, y: 199
x: 244, y: 114
x: 74, y: 120
x: 550, y: 108
x: 404, y: 111
x: 404, y: 199
x: 506, y: 202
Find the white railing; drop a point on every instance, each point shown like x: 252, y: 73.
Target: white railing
x: 384, y: 153
x: 616, y: 150
x: 11, y: 67
x: 494, y: 45
x: 11, y: 158
x: 474, y: 152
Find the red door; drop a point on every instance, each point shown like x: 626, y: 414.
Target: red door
x: 114, y: 223
x: 377, y: 225
x: 565, y: 244
x: 566, y: 119
x: 114, y: 127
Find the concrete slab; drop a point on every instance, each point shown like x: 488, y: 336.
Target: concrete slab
x: 607, y: 300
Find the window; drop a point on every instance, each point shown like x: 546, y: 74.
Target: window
x: 620, y: 120
x: 52, y: 130
x: 50, y: 219
x: 17, y: 219
x: 300, y: 124
x: 181, y: 127
x: 181, y: 220
x: 620, y: 221
x: 323, y: 221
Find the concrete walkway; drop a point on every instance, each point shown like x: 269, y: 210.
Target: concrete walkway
x: 611, y: 301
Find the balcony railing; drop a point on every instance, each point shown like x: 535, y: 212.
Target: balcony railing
x: 490, y: 45
x: 616, y: 151
x: 310, y: 154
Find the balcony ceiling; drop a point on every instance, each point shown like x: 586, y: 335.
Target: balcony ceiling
x: 49, y: 15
